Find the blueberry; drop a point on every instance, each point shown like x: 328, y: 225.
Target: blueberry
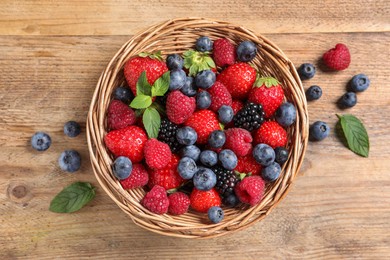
x: 306, y: 71
x: 271, y: 172
x: 203, y: 100
x: 359, y: 83
x: 72, y: 129
x: 204, y: 44
x: 231, y: 200
x: 281, y: 155
x: 189, y: 88
x: 225, y: 114
x: 204, y: 179
x: 319, y: 131
x: 228, y: 159
x: 215, y: 214
x: 186, y: 135
x: 40, y: 141
x: 313, y: 93
x: 208, y: 158
x: 123, y: 94
x: 348, y: 100
x: 69, y: 161
x: 191, y: 151
x: 187, y: 168
x: 217, y: 139
x: 174, y: 62
x: 246, y: 51
x: 263, y: 154
x: 177, y: 79
x: 286, y: 114
x: 205, y: 79
x: 122, y: 167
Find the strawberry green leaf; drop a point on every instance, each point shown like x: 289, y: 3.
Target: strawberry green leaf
x: 156, y: 56
x: 196, y: 61
x: 143, y: 86
x: 161, y: 85
x: 266, y: 81
x: 72, y: 198
x: 143, y: 54
x: 141, y: 101
x: 355, y: 133
x: 210, y: 62
x: 152, y: 121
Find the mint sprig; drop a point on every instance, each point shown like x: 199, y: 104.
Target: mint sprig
x: 72, y: 198
x: 143, y: 101
x: 355, y: 134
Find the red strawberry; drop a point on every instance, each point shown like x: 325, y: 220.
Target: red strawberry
x: 237, y: 105
x: 337, y: 58
x: 179, y: 203
x: 139, y: 177
x: 269, y: 93
x: 156, y: 200
x: 248, y: 164
x: 238, y: 79
x: 167, y: 177
x: 154, y: 68
x: 238, y: 140
x: 250, y: 190
x: 224, y: 52
x: 219, y: 96
x: 203, y: 122
x: 201, y: 201
x: 157, y: 154
x: 120, y: 115
x: 128, y: 142
x: 179, y: 107
x: 271, y: 133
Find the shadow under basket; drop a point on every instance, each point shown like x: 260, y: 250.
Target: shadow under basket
x: 177, y: 36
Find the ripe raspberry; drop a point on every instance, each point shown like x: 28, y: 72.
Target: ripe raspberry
x: 250, y: 190
x: 157, y: 154
x: 271, y: 133
x: 203, y: 122
x: 237, y: 105
x: 337, y: 58
x: 128, y: 142
x: 120, y: 115
x: 219, y: 96
x: 201, y: 201
x: 247, y: 164
x: 139, y: 177
x: 224, y: 52
x: 167, y: 177
x: 156, y: 200
x: 238, y: 140
x: 179, y: 107
x: 179, y: 203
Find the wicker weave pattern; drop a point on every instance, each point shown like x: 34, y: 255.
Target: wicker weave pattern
x: 176, y: 36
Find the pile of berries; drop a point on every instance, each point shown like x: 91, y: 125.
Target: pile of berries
x: 201, y: 129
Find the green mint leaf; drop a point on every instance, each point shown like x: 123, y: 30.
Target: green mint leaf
x: 152, y: 121
x: 355, y: 134
x: 161, y: 85
x: 143, y: 86
x: 72, y: 198
x: 141, y: 101
x: 266, y: 81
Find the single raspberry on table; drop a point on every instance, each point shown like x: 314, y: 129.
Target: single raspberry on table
x: 337, y: 58
x: 156, y: 200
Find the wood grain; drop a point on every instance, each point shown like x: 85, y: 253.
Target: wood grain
x: 337, y: 209
x: 123, y: 17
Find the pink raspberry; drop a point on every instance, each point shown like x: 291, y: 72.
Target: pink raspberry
x: 179, y: 203
x: 238, y: 140
x: 120, y: 115
x: 156, y: 200
x: 139, y: 177
x: 157, y: 154
x: 179, y: 107
x: 250, y: 190
x: 219, y: 96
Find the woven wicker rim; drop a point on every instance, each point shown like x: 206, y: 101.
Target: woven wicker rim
x: 176, y: 36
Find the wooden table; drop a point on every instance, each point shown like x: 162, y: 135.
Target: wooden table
x: 51, y: 56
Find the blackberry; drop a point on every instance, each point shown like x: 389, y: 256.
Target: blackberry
x: 167, y: 134
x: 250, y: 117
x: 226, y: 181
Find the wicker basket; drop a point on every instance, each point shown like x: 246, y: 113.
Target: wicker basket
x: 176, y: 36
